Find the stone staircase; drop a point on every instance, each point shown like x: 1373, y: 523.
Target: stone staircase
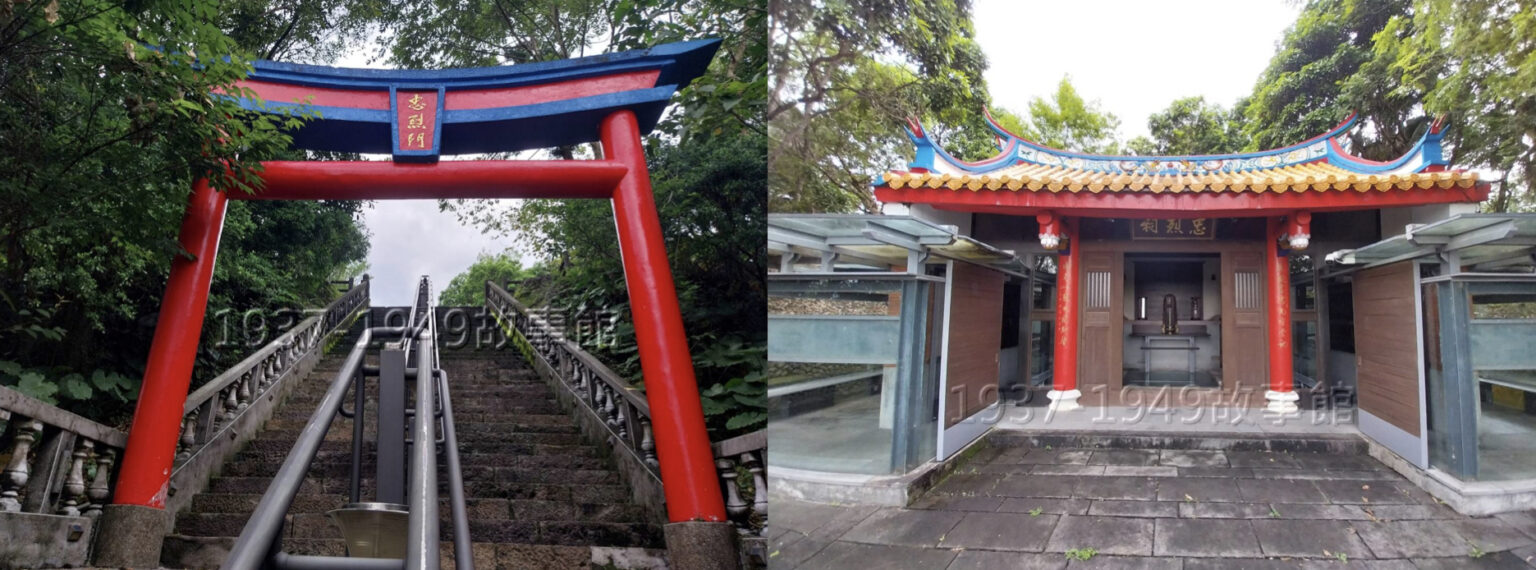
x: 538, y: 495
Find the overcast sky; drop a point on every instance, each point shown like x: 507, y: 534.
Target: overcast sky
x: 1134, y: 57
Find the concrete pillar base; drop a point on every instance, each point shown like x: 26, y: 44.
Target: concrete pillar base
x: 130, y: 536
x: 1064, y: 400
x: 1281, y: 402
x: 698, y: 545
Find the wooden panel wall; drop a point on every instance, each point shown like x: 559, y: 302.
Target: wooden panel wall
x: 1102, y: 283
x: 1387, y: 345
x: 975, y: 332
x: 1244, y: 349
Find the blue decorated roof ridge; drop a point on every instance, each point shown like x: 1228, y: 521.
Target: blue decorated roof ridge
x: 1339, y: 129
x: 680, y: 63
x: 1325, y: 147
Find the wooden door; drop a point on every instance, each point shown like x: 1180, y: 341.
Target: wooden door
x: 1244, y: 351
x: 1102, y: 280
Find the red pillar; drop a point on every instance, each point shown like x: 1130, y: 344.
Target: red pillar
x: 151, y: 451
x: 1281, y: 397
x: 1064, y: 392
x: 682, y: 445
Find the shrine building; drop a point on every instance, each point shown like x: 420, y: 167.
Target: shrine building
x: 1295, y: 279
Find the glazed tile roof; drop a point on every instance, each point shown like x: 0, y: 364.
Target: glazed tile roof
x: 1314, y: 177
x: 1322, y: 164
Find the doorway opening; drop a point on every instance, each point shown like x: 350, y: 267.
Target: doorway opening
x: 1172, y: 334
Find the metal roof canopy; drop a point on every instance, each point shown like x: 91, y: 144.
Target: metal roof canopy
x: 873, y: 243
x: 1476, y: 241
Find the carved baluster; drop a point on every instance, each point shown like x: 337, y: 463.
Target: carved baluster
x: 755, y: 464
x: 610, y: 408
x: 100, y: 485
x: 244, y: 396
x: 648, y: 445
x: 188, y: 436
x: 74, y: 482
x: 735, y: 507
x: 231, y: 404
x: 19, y: 469
x: 622, y: 419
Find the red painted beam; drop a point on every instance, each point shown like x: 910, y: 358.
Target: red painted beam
x: 688, y: 473
x: 151, y: 451
x: 497, y: 97
x: 380, y: 180
x: 1175, y: 205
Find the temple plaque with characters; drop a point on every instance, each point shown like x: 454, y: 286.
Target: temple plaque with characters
x: 1177, y: 228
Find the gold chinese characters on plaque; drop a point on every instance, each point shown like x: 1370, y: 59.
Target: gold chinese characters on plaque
x: 1188, y: 228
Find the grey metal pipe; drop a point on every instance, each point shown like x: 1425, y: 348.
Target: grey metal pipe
x: 463, y: 558
x: 423, y: 533
x: 261, y: 531
x: 285, y: 561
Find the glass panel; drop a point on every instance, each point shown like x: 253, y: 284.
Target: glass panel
x: 1042, y: 351
x: 833, y: 353
x: 1502, y: 332
x: 1442, y: 425
x: 1304, y: 353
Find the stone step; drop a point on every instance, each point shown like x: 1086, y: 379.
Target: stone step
x: 484, y: 489
x: 565, y: 532
x: 274, y: 459
x: 291, y: 435
x: 478, y: 509
x: 279, y: 448
x: 197, y: 552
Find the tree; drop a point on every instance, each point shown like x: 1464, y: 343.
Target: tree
x: 467, y: 289
x: 846, y: 77
x: 1314, y: 80
x: 1190, y: 126
x: 102, y: 136
x: 1475, y: 63
x: 1067, y: 122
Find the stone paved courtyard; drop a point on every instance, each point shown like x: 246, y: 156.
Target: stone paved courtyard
x: 1019, y: 508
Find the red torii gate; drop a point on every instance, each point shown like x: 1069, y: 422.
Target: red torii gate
x: 417, y: 116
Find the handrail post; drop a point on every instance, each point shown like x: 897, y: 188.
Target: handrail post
x: 389, y: 468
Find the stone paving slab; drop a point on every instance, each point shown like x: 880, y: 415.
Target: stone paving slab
x: 1017, y: 508
x: 1106, y: 535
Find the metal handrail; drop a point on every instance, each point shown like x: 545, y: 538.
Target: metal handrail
x: 259, y: 542
x: 259, y: 538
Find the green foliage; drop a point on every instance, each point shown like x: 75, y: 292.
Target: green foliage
x: 102, y: 137
x: 1400, y: 64
x: 1191, y: 126
x: 846, y: 77
x: 1300, y: 94
x: 467, y: 289
x: 1082, y: 554
x: 1068, y: 122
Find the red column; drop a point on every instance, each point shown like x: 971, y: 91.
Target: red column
x: 1280, y: 396
x: 151, y: 452
x: 682, y: 445
x: 1064, y: 391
